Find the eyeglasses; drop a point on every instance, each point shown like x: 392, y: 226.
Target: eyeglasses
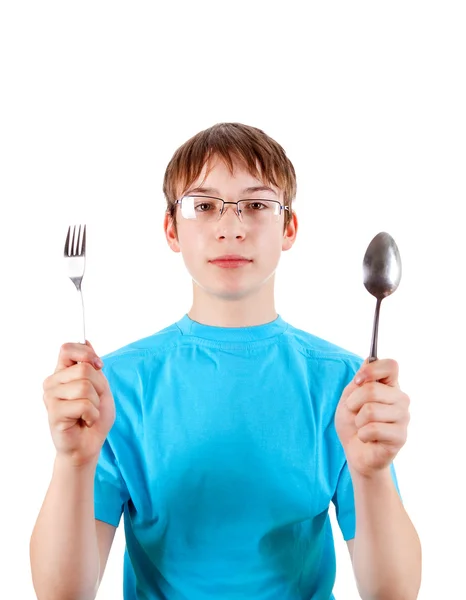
x: 205, y: 209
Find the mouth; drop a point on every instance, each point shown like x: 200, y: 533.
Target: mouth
x: 230, y: 261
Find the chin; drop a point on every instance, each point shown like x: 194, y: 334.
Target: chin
x: 231, y: 290
x: 232, y: 284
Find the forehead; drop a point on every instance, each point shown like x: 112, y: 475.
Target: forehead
x: 217, y: 175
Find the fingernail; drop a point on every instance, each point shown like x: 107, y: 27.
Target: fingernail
x: 98, y: 363
x: 358, y: 378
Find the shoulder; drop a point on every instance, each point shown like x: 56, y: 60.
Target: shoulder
x: 320, y: 349
x: 148, y: 346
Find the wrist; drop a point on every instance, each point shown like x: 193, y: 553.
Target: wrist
x: 376, y: 477
x: 67, y: 463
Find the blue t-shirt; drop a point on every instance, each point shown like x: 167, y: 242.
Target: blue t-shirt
x: 224, y: 459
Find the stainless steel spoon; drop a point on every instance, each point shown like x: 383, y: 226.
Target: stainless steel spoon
x: 382, y: 274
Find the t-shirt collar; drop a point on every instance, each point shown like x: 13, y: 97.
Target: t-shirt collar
x: 231, y: 334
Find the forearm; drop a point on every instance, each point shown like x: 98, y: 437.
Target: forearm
x: 387, y: 550
x: 64, y: 550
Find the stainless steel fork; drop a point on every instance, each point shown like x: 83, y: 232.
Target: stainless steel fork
x: 75, y: 256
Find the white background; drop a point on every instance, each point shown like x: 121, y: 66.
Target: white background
x: 368, y: 99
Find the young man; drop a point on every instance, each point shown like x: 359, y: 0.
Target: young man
x: 234, y: 430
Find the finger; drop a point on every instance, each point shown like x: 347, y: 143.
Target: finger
x: 74, y: 390
x: 66, y: 414
x: 375, y: 392
x: 76, y: 372
x: 72, y: 353
x: 384, y: 370
x: 375, y: 412
x: 384, y: 433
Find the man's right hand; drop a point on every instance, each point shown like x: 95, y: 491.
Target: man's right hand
x: 79, y: 403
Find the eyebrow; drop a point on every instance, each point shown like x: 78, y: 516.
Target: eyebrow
x: 248, y: 190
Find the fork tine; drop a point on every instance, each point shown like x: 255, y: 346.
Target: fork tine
x: 73, y: 253
x: 77, y: 246
x: 67, y: 242
x: 83, y: 248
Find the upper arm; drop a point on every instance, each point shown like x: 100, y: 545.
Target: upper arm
x: 350, y: 544
x: 105, y: 535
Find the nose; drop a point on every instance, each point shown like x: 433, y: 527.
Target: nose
x: 229, y: 224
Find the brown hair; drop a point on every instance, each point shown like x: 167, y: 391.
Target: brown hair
x: 250, y: 146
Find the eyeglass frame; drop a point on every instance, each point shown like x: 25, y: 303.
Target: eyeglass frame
x: 282, y: 206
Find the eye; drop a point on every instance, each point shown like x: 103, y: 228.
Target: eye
x: 256, y: 205
x: 204, y: 207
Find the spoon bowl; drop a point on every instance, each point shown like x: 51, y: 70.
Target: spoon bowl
x: 381, y: 276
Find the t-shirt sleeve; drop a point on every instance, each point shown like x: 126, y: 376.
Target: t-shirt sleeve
x: 110, y: 492
x: 343, y: 500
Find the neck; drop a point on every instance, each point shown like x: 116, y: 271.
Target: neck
x: 254, y: 308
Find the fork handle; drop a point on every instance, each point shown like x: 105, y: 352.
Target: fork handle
x: 83, y: 340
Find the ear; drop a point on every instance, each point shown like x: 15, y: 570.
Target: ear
x: 169, y: 227
x: 290, y: 232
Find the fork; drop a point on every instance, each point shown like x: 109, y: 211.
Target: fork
x: 75, y: 256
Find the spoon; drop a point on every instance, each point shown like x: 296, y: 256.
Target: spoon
x: 382, y: 274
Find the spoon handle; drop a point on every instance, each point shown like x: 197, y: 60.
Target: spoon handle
x: 375, y: 332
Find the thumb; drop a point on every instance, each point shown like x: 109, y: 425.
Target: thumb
x: 97, y: 362
x: 352, y: 385
x: 74, y: 353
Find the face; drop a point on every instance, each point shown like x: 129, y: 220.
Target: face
x: 201, y: 243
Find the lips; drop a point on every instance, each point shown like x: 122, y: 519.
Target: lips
x: 230, y: 261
